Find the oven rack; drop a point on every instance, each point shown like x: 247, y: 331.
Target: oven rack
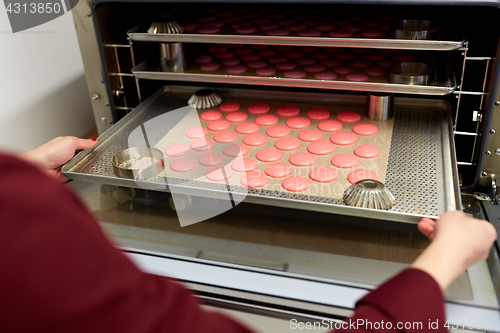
x: 442, y: 83
x: 421, y: 169
x: 446, y: 41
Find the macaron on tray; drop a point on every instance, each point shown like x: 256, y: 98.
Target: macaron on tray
x: 305, y: 148
x: 328, y: 21
x: 307, y: 63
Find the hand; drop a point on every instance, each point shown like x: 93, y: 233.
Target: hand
x: 426, y: 226
x: 458, y: 242
x: 51, y: 156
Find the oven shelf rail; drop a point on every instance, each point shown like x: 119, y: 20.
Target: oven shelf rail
x: 443, y: 82
x: 444, y: 43
x: 477, y: 115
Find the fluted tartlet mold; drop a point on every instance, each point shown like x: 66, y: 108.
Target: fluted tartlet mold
x: 171, y: 27
x: 204, y: 99
x: 369, y: 193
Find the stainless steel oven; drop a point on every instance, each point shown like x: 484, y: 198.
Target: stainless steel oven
x: 277, y: 251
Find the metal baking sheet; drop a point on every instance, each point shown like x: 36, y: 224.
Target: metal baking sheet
x: 421, y: 170
x: 443, y: 82
x: 139, y: 34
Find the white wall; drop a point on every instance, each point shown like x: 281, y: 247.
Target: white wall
x: 43, y: 93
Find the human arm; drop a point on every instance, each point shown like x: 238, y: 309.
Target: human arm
x: 416, y: 294
x: 458, y: 242
x: 60, y: 273
x: 50, y: 157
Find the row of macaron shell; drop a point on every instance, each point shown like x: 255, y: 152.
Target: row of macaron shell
x: 278, y: 23
x: 316, y: 147
x: 252, y: 178
x: 305, y: 54
x: 296, y: 63
x: 228, y: 50
x: 306, y: 12
x: 294, y: 122
x: 252, y: 138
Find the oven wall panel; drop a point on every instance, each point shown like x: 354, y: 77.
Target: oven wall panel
x: 490, y: 168
x: 43, y: 88
x: 87, y: 40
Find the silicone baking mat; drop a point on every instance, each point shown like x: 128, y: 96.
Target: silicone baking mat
x: 417, y: 162
x: 333, y: 190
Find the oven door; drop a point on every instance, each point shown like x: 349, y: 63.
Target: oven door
x: 281, y: 261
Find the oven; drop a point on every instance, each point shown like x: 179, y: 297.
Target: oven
x: 424, y: 74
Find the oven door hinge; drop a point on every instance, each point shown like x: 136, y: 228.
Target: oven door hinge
x: 477, y: 116
x: 493, y: 195
x: 494, y: 200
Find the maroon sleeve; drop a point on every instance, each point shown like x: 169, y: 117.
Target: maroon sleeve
x: 59, y: 272
x: 409, y: 302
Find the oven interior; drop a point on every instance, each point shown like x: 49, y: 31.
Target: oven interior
x: 473, y: 64
x: 318, y: 245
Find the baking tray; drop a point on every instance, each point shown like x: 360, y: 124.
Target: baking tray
x: 443, y: 81
x: 444, y: 42
x: 421, y: 169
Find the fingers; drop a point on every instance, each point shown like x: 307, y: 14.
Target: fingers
x: 61, y: 177
x: 493, y: 232
x: 428, y: 221
x: 426, y: 226
x: 490, y: 231
x: 84, y: 143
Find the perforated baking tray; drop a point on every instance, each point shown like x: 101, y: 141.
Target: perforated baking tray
x: 445, y: 40
x: 421, y: 170
x: 442, y: 81
x: 429, y: 45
